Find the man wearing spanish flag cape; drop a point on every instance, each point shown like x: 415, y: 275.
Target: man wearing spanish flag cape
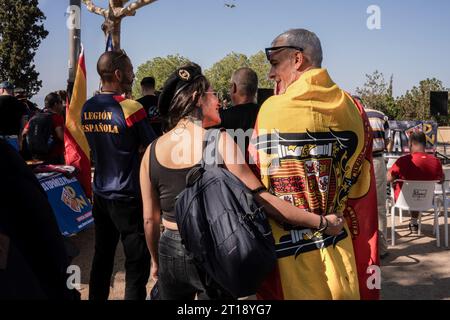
x: 312, y: 144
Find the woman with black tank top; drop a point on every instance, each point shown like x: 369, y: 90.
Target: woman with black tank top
x: 189, y: 105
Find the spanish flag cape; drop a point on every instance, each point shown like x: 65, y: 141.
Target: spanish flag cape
x: 313, y: 147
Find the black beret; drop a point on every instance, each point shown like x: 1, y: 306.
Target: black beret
x: 176, y: 82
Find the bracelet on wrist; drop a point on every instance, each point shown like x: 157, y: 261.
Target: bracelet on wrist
x: 259, y: 190
x: 323, y: 226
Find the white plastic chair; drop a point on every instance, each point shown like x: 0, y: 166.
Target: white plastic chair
x: 442, y: 194
x: 416, y: 196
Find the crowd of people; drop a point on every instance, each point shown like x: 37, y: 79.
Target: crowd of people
x: 303, y: 152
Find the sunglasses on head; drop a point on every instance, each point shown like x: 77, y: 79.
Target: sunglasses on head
x: 271, y: 50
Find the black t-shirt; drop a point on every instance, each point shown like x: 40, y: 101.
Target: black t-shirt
x: 150, y: 104
x: 11, y: 113
x: 240, y: 117
x: 32, y: 108
x: 243, y: 117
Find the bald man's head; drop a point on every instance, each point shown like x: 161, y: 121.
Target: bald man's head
x: 245, y: 85
x: 111, y: 61
x: 115, y: 69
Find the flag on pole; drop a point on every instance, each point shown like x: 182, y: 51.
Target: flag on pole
x: 77, y: 152
x: 109, y: 43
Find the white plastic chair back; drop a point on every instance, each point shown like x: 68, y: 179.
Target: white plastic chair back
x: 416, y: 195
x: 390, y: 162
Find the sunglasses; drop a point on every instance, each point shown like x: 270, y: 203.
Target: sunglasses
x: 271, y: 50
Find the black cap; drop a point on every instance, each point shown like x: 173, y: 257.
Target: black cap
x: 176, y: 82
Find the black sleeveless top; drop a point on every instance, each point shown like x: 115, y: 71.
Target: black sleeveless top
x: 168, y: 183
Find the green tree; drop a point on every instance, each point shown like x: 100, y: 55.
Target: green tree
x: 160, y: 68
x: 220, y: 73
x: 259, y: 63
x: 377, y: 94
x: 415, y: 103
x: 21, y: 33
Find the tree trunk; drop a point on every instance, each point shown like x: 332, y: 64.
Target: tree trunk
x: 115, y: 34
x: 115, y: 22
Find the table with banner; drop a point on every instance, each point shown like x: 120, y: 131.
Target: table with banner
x: 72, y: 209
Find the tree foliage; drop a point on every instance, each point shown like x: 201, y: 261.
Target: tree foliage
x: 259, y: 63
x: 21, y: 33
x: 220, y: 73
x: 377, y: 94
x: 160, y: 68
x: 413, y: 105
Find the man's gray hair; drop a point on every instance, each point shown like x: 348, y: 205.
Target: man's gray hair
x: 307, y: 40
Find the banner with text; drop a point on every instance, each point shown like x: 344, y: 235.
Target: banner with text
x: 401, y: 130
x: 72, y: 208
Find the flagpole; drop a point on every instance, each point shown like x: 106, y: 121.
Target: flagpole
x: 74, y: 42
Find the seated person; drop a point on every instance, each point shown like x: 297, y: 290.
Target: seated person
x: 45, y: 132
x: 418, y: 165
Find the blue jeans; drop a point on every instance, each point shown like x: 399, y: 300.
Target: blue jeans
x: 178, y: 277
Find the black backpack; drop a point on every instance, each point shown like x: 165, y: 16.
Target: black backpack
x: 222, y: 226
x: 39, y: 134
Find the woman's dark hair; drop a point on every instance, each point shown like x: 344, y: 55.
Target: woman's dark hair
x: 51, y: 100
x: 177, y: 100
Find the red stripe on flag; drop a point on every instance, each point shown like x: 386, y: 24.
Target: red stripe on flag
x: 271, y: 288
x: 75, y: 157
x: 82, y: 63
x: 365, y: 244
x: 136, y: 117
x: 119, y: 99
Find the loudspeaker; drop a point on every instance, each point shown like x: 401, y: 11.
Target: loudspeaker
x: 263, y: 95
x: 439, y: 103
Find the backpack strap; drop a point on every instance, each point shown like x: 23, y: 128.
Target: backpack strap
x: 211, y: 157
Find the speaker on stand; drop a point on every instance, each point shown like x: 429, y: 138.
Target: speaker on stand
x: 438, y: 108
x: 439, y: 103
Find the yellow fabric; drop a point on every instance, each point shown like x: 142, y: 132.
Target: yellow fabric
x: 313, y: 104
x: 130, y: 107
x: 73, y: 118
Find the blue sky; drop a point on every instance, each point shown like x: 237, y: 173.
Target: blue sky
x: 413, y: 43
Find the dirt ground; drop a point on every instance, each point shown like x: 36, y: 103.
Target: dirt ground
x: 415, y: 269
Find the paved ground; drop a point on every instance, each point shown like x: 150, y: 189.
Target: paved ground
x: 415, y: 269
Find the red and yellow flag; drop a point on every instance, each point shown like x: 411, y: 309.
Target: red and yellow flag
x: 76, y: 146
x: 313, y: 147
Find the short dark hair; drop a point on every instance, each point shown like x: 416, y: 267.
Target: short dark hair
x: 111, y: 61
x: 51, y: 99
x: 246, y: 81
x: 418, y: 138
x: 148, y: 83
